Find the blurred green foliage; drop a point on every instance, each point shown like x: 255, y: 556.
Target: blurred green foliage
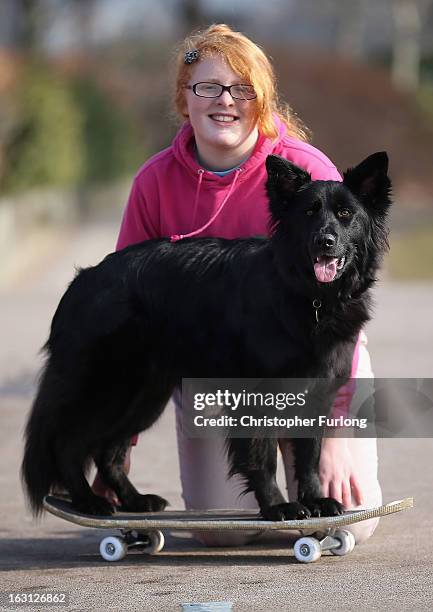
x: 45, y: 148
x: 110, y: 145
x: 425, y: 100
x: 67, y: 132
x: 411, y: 254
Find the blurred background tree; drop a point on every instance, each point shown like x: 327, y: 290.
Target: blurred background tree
x: 45, y: 147
x: 66, y: 130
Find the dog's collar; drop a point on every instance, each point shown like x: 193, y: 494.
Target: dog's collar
x: 316, y: 305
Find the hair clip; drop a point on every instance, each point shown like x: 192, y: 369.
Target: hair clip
x: 191, y: 56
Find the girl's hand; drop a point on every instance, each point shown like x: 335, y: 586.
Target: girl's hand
x: 101, y: 489
x: 336, y: 473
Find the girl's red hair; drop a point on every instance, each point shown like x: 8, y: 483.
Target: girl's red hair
x: 249, y: 61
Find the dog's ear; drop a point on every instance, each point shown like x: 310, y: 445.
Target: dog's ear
x: 284, y: 180
x: 369, y: 181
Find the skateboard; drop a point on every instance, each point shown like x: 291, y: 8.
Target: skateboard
x: 143, y: 531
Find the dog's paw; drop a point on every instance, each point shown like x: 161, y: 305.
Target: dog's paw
x: 145, y: 503
x: 96, y: 506
x: 286, y: 512
x: 324, y: 506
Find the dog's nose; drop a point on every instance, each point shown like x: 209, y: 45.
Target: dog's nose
x: 325, y: 241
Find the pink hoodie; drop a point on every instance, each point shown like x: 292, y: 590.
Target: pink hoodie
x: 173, y: 195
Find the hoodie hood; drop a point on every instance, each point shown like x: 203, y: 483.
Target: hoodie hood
x: 184, y: 151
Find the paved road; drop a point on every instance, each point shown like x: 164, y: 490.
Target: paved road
x: 391, y: 571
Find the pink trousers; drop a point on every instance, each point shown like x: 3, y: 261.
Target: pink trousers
x: 203, y: 474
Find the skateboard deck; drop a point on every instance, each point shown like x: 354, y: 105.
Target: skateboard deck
x: 213, y: 519
x: 143, y: 530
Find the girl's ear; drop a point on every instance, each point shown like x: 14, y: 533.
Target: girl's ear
x: 184, y: 106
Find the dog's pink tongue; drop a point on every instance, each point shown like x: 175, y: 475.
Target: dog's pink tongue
x: 325, y: 269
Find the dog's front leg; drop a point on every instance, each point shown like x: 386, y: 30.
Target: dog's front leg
x: 307, y: 457
x: 255, y: 459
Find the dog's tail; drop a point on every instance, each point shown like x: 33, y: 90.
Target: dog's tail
x: 38, y: 471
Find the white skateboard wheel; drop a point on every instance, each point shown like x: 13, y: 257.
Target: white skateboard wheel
x: 113, y: 549
x: 156, y: 542
x: 307, y: 550
x: 347, y: 540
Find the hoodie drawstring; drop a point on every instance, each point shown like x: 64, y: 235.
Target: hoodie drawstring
x: 197, y: 193
x: 176, y: 237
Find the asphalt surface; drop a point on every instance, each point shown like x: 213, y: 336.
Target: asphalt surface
x: 393, y: 570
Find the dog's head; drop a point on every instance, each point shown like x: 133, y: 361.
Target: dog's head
x: 328, y: 229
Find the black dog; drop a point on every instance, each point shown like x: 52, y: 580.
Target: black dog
x: 127, y: 330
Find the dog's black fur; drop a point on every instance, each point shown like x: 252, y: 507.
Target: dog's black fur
x: 129, y: 329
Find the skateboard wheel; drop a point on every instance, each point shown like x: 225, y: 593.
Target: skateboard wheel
x: 156, y: 542
x: 113, y: 549
x: 347, y: 540
x: 307, y: 550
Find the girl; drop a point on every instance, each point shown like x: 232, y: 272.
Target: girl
x: 211, y: 182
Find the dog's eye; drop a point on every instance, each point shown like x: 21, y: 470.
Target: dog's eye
x: 344, y: 213
x: 314, y: 208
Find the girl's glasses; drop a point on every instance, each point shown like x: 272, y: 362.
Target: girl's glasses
x: 215, y: 90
